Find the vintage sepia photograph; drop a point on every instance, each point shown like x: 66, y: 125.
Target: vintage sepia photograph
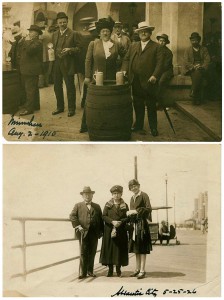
x: 112, y: 71
x: 102, y: 220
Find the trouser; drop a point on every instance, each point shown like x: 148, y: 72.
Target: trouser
x: 142, y: 98
x: 22, y: 98
x: 197, y: 77
x: 32, y: 92
x: 83, y: 124
x: 59, y: 75
x: 162, y: 85
x: 88, y: 247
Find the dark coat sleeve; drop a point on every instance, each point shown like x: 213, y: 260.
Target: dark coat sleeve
x: 74, y: 216
x: 145, y: 211
x: 159, y: 62
x: 89, y: 60
x: 34, y: 47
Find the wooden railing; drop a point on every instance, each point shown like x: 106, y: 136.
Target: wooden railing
x: 24, y: 245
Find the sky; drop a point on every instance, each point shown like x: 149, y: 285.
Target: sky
x: 46, y: 180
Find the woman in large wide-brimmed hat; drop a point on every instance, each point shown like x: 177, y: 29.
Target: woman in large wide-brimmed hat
x: 139, y: 216
x: 114, y: 249
x: 102, y: 53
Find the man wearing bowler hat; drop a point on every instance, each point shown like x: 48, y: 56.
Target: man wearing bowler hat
x: 86, y: 218
x: 196, y: 63
x: 66, y: 44
x: 167, y: 74
x: 144, y: 65
x: 30, y: 68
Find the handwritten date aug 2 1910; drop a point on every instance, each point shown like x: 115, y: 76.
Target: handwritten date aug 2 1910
x: 14, y: 131
x: 152, y: 292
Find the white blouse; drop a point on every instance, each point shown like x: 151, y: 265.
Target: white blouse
x: 107, y: 45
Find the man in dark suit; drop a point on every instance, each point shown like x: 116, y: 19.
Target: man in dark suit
x: 196, y: 64
x: 31, y: 68
x: 167, y: 74
x: 87, y: 220
x: 66, y: 45
x: 144, y: 64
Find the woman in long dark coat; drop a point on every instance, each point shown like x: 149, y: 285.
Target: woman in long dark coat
x: 139, y: 216
x: 114, y: 249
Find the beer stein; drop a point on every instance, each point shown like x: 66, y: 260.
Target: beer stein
x: 98, y: 76
x: 119, y: 78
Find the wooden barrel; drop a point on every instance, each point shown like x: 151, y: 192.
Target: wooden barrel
x: 109, y: 112
x: 11, y: 92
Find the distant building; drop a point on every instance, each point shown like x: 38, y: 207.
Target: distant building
x: 200, y: 207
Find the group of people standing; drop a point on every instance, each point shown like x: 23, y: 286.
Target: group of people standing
x: 148, y: 65
x: 124, y: 231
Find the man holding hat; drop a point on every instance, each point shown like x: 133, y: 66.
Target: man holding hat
x: 15, y: 54
x: 30, y: 68
x: 167, y: 74
x: 144, y: 65
x: 66, y: 44
x: 196, y: 63
x: 86, y: 218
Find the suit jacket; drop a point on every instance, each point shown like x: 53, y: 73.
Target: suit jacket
x: 151, y: 62
x: 96, y: 59
x: 142, y: 205
x: 71, y: 40
x: 15, y: 53
x: 168, y: 61
x: 81, y: 215
x: 124, y: 41
x: 31, y: 57
x: 189, y: 59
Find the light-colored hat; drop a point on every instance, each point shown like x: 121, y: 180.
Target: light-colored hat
x: 164, y: 36
x: 87, y: 189
x: 144, y: 25
x: 16, y: 31
x: 92, y: 26
x: 117, y: 24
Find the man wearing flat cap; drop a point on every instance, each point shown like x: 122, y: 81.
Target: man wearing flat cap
x: 167, y: 74
x: 66, y: 43
x: 196, y: 63
x: 86, y: 218
x: 30, y: 68
x: 144, y: 65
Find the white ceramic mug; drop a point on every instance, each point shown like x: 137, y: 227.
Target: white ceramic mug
x: 98, y: 76
x: 119, y: 78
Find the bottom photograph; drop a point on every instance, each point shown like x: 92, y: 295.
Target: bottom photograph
x: 100, y: 220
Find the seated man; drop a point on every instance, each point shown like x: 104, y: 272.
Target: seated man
x: 167, y: 74
x: 196, y: 62
x: 164, y: 233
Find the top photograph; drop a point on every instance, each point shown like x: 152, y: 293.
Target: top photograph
x: 112, y: 72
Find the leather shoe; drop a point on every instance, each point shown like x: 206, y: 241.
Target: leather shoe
x: 141, y: 275
x: 82, y: 130
x: 57, y: 111
x: 154, y: 132
x: 71, y: 113
x: 110, y: 274
x: 135, y: 274
x: 82, y: 276
x: 91, y: 274
x: 26, y: 112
